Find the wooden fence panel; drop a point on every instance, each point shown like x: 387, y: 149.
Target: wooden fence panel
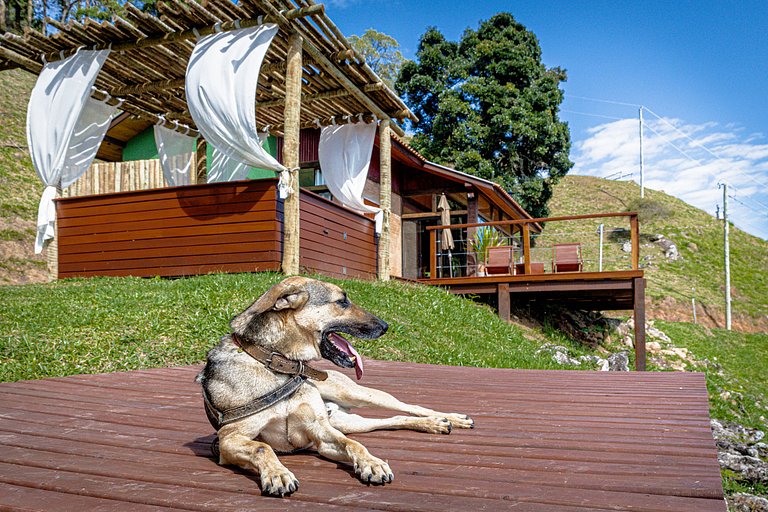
x: 195, y: 229
x: 334, y: 240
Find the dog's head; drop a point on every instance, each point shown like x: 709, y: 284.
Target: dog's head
x: 301, y: 318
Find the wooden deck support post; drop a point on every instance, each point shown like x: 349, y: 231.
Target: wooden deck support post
x: 527, y: 248
x: 291, y: 133
x: 639, y: 318
x: 385, y: 196
x: 635, y: 237
x: 472, y: 218
x: 200, y: 174
x: 504, y: 299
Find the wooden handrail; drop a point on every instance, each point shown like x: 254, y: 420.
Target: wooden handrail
x: 532, y: 221
x: 526, y: 234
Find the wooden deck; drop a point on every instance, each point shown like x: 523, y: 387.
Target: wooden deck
x: 545, y: 441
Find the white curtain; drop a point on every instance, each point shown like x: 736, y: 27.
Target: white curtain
x: 224, y: 168
x: 345, y: 154
x: 175, y: 150
x: 222, y: 76
x: 64, y: 128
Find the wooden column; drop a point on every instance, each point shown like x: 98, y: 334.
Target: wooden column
x: 527, y: 249
x: 385, y: 196
x: 635, y: 237
x: 291, y: 129
x: 503, y: 297
x: 472, y: 218
x: 639, y: 317
x: 201, y: 162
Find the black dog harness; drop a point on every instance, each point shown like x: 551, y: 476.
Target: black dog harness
x: 275, y: 362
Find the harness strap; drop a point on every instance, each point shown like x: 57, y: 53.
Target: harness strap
x: 220, y: 418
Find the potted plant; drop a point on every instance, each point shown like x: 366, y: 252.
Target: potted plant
x: 483, y: 239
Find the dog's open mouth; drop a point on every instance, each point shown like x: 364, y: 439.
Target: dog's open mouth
x: 341, y: 353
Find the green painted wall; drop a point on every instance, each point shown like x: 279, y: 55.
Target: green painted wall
x: 142, y: 147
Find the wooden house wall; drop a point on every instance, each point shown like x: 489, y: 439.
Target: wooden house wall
x: 197, y: 229
x: 335, y: 241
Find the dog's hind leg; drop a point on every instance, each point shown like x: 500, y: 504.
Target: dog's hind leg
x: 342, y: 390
x: 239, y: 450
x: 349, y: 423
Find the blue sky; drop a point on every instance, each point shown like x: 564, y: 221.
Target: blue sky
x: 700, y: 68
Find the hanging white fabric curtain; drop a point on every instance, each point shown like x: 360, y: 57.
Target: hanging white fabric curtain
x: 345, y: 154
x: 224, y: 168
x: 175, y: 150
x: 222, y: 76
x: 64, y: 128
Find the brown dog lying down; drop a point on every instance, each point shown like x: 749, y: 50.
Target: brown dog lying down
x: 262, y: 397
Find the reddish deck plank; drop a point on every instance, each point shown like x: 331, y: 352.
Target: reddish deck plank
x: 545, y: 441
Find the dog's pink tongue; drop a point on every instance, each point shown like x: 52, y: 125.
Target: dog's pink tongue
x: 348, y: 349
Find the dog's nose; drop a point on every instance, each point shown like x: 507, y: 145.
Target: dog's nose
x: 384, y: 326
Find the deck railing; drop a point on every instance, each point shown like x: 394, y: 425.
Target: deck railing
x: 601, y: 242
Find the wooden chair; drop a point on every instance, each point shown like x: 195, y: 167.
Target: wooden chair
x: 500, y: 260
x: 567, y: 257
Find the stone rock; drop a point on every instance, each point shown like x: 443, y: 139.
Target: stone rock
x: 742, y: 502
x: 668, y: 246
x: 653, y: 346
x: 629, y: 341
x: 655, y: 333
x: 618, y: 362
x: 626, y: 246
x: 751, y: 468
x: 692, y: 247
x: 601, y: 363
x: 559, y: 354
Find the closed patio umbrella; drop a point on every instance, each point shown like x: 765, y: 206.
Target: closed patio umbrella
x: 446, y: 238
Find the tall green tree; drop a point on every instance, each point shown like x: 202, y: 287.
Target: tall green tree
x: 488, y: 106
x: 381, y: 52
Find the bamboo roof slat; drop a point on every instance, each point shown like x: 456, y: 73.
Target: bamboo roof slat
x: 147, y: 65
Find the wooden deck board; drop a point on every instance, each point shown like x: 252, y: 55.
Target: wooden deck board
x: 545, y: 441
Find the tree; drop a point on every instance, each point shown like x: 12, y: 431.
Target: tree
x: 381, y: 52
x: 489, y: 107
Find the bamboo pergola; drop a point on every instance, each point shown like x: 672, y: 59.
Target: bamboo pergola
x: 148, y: 60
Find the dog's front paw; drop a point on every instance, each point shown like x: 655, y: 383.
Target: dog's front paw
x: 278, y: 481
x: 373, y: 470
x: 437, y: 425
x: 460, y: 420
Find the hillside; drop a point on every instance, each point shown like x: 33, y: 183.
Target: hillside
x: 699, y: 239
x: 19, y: 186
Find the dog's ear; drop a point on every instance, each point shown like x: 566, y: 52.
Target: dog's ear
x: 288, y: 294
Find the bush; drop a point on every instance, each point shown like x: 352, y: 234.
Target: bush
x: 649, y: 210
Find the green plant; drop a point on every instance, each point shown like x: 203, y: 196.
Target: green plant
x: 485, y: 238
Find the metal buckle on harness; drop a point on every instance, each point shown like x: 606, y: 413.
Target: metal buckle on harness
x: 269, y: 361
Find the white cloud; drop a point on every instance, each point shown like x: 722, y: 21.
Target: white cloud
x: 687, y: 161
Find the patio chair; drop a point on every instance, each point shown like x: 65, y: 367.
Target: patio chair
x: 500, y: 260
x: 567, y: 257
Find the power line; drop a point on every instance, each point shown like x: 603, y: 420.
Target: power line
x: 694, y: 160
x: 593, y: 115
x: 599, y: 100
x: 748, y: 206
x: 695, y: 143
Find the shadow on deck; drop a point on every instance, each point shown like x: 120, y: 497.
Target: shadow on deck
x: 545, y: 441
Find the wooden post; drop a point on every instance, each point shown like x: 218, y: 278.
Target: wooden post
x: 432, y: 254
x: 385, y: 197
x: 527, y: 248
x: 635, y: 234
x: 503, y: 296
x: 291, y: 134
x: 201, y: 162
x: 472, y: 218
x: 639, y: 316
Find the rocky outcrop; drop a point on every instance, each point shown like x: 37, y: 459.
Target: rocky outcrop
x: 744, y: 452
x: 618, y: 362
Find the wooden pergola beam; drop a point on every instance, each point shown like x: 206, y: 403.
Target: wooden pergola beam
x: 308, y: 98
x: 183, y: 35
x: 325, y: 63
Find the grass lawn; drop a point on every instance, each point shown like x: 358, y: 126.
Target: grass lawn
x: 115, y: 324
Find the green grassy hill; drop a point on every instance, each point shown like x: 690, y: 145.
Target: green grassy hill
x: 699, y: 239
x: 19, y: 186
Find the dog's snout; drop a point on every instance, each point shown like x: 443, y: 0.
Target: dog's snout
x: 384, y: 326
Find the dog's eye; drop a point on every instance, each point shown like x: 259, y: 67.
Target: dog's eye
x: 343, y: 302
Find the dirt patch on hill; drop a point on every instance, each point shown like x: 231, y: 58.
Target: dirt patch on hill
x: 18, y: 262
x: 707, y: 315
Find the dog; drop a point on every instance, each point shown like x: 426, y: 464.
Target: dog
x: 262, y: 396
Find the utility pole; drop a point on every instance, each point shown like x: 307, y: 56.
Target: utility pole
x: 642, y: 162
x: 727, y: 258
